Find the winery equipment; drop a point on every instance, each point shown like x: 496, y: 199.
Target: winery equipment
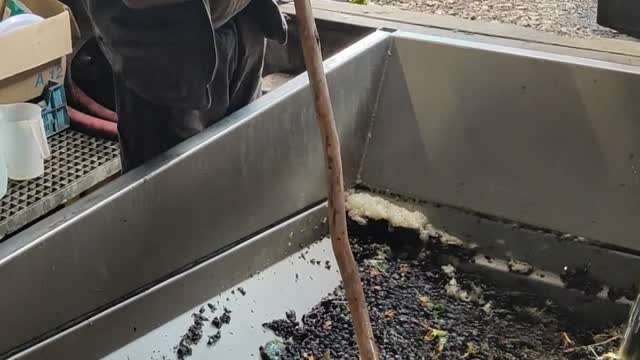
x: 530, y: 155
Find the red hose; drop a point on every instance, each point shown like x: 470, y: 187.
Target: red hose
x: 92, y: 124
x: 93, y: 106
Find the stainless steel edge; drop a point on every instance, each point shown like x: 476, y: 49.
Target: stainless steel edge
x: 179, y: 297
x: 542, y: 139
x: 253, y: 169
x: 514, y: 50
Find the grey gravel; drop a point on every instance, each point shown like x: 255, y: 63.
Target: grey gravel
x: 575, y: 18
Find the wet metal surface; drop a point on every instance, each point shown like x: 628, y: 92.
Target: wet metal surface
x: 160, y: 315
x: 268, y: 296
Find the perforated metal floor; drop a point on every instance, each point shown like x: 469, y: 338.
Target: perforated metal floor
x: 78, y: 162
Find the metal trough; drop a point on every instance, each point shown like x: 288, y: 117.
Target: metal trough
x: 483, y: 136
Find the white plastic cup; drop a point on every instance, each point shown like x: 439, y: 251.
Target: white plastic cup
x: 23, y: 140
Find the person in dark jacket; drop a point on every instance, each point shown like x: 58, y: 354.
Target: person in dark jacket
x: 181, y: 65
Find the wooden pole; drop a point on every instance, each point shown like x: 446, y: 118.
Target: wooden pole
x: 630, y: 349
x: 336, y: 195
x: 3, y: 4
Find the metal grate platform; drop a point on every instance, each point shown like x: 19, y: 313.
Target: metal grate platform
x: 78, y: 162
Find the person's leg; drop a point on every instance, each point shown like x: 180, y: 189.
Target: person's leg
x: 238, y: 78
x: 146, y: 129
x: 246, y: 82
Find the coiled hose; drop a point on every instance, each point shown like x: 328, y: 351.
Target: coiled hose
x: 101, y: 122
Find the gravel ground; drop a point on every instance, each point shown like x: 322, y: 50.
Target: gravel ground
x: 576, y: 18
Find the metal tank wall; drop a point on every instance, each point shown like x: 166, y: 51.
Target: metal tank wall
x: 541, y: 139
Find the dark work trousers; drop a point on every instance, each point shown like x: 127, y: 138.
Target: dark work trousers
x: 147, y: 129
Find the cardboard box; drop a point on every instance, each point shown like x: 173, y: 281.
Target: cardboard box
x: 35, y: 54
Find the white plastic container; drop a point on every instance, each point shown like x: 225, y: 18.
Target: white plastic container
x: 18, y: 21
x: 23, y: 140
x: 3, y: 176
